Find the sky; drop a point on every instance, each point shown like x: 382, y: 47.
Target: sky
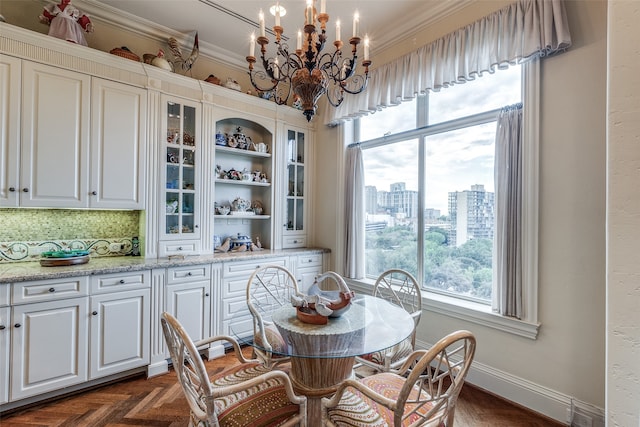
x: 455, y: 160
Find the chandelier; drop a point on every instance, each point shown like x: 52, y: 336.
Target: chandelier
x: 307, y: 72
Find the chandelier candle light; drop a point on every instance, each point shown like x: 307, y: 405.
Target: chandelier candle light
x: 308, y: 72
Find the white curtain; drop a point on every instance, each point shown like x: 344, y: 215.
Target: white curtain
x: 355, y: 214
x: 507, y: 281
x: 518, y: 32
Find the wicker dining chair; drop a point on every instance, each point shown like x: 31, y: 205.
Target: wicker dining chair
x: 247, y: 394
x: 269, y: 288
x: 423, y: 392
x: 402, y: 289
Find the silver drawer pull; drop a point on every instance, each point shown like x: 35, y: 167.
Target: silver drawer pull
x: 52, y: 290
x: 121, y: 281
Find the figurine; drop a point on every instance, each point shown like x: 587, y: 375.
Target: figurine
x: 66, y: 22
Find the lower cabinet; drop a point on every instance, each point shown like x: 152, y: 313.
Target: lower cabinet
x: 120, y: 323
x: 188, y: 298
x: 49, y: 346
x: 307, y: 268
x: 4, y: 354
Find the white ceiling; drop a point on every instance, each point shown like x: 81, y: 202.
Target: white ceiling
x: 224, y: 26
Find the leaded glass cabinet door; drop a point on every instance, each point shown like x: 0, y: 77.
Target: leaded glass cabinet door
x: 295, y: 199
x: 179, y: 208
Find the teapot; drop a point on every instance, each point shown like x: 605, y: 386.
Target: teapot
x: 241, y: 240
x: 240, y: 204
x: 221, y: 138
x: 243, y: 140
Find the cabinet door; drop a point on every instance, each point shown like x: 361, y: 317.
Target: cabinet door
x: 296, y: 189
x: 4, y: 354
x: 181, y: 182
x: 49, y: 346
x: 120, y: 324
x: 10, y: 75
x: 190, y: 303
x: 118, y: 137
x: 55, y: 137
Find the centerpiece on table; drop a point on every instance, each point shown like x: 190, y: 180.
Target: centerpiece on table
x: 318, y: 305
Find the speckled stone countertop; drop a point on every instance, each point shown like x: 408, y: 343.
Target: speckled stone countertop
x: 24, y: 271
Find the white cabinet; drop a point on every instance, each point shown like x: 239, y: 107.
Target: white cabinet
x: 308, y: 266
x: 120, y: 323
x: 118, y: 141
x: 49, y: 338
x: 234, y: 313
x: 188, y: 298
x: 55, y: 137
x: 296, y: 188
x: 180, y: 177
x: 243, y: 170
x: 5, y: 330
x: 82, y: 140
x: 10, y: 78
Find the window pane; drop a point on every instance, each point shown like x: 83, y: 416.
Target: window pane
x: 389, y: 121
x: 459, y: 211
x: 485, y: 93
x: 391, y: 184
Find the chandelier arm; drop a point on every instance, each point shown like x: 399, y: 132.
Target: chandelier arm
x: 263, y: 76
x: 356, y: 80
x: 339, y: 96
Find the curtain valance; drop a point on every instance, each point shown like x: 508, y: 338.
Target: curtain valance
x: 521, y: 31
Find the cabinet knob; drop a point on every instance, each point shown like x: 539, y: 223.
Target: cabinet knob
x: 17, y: 325
x: 180, y: 248
x: 25, y: 190
x: 94, y: 193
x: 207, y: 294
x: 95, y: 313
x: 189, y: 274
x: 12, y: 189
x: 121, y: 280
x: 195, y: 226
x: 2, y: 327
x: 52, y: 289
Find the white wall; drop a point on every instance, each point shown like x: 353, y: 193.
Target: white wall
x: 568, y: 358
x: 623, y: 216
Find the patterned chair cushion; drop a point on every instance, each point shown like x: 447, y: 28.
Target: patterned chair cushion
x: 238, y: 374
x: 357, y: 410
x: 263, y: 405
x: 278, y: 344
x: 398, y: 351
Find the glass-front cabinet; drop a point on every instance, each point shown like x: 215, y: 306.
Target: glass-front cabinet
x: 243, y: 190
x: 296, y: 190
x: 179, y: 209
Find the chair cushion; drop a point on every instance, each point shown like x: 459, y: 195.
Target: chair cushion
x: 239, y: 373
x: 398, y: 351
x: 357, y: 410
x: 278, y: 344
x: 265, y: 404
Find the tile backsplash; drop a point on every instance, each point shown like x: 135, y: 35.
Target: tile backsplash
x: 26, y: 233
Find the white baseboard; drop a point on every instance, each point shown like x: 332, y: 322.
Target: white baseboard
x: 540, y: 399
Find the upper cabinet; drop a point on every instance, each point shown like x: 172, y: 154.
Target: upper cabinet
x: 118, y: 142
x: 243, y: 175
x: 296, y: 188
x: 81, y: 142
x: 55, y: 137
x: 181, y: 177
x: 10, y: 77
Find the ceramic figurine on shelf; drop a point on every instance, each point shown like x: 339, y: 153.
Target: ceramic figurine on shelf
x: 66, y: 22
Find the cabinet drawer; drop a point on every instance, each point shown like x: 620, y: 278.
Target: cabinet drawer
x: 235, y: 287
x: 311, y: 260
x: 49, y: 290
x: 179, y: 247
x: 4, y: 294
x: 120, y: 282
x: 234, y: 307
x: 295, y: 242
x: 189, y: 274
x: 245, y: 268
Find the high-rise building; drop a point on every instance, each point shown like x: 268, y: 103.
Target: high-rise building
x: 471, y: 214
x: 371, y: 199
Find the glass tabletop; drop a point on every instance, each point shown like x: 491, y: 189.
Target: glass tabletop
x: 371, y: 324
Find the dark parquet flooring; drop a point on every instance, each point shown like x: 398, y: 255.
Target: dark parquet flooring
x: 159, y: 402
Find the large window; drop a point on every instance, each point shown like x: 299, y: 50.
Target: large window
x: 429, y: 183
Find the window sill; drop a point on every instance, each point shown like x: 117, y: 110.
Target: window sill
x: 468, y: 311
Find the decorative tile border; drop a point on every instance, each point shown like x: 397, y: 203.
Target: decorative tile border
x: 31, y: 251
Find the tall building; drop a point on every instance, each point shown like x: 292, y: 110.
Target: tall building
x: 471, y: 215
x: 371, y: 199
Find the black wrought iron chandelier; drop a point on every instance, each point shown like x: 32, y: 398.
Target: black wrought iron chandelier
x: 308, y: 72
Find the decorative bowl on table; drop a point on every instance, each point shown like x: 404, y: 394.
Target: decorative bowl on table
x: 66, y: 257
x: 318, y: 305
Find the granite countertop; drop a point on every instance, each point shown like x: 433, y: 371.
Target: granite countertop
x: 24, y: 271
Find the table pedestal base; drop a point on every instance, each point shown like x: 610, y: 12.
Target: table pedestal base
x: 316, y: 378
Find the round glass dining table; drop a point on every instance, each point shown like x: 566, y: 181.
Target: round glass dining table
x: 322, y: 356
